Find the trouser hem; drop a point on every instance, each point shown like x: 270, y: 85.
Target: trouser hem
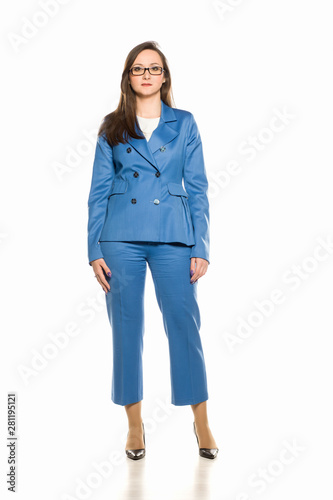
x: 191, y: 401
x: 124, y: 402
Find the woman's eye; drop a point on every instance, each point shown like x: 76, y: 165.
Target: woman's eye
x: 137, y: 69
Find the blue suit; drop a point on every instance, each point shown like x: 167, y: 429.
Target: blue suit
x: 140, y: 213
x: 137, y: 193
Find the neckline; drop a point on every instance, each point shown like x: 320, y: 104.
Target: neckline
x: 144, y: 118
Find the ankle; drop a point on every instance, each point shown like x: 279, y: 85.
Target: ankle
x: 201, y: 423
x: 135, y: 426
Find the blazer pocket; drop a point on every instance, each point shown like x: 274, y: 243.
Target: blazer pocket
x: 176, y: 189
x: 119, y: 186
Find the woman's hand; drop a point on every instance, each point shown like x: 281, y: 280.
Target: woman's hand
x: 99, y: 266
x: 199, y: 270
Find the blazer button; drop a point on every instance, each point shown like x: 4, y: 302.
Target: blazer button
x: 156, y: 201
x: 162, y: 149
x: 133, y: 200
x: 136, y: 174
x: 158, y: 174
x: 128, y: 150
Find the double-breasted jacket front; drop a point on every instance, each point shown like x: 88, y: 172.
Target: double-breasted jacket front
x: 137, y: 191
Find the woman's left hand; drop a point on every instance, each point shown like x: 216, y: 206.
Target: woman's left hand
x: 199, y: 267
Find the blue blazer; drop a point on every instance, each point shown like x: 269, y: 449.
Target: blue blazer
x: 136, y: 189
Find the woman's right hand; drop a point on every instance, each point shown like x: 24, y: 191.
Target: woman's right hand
x: 99, y: 266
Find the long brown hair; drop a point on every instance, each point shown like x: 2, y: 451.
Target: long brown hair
x: 119, y: 125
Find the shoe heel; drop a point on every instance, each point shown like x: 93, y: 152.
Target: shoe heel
x: 205, y: 452
x: 140, y: 452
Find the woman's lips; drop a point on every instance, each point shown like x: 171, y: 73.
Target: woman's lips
x: 146, y: 84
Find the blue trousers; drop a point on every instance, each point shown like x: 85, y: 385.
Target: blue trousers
x: 169, y: 264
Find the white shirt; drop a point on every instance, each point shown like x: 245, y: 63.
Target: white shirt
x: 148, y: 125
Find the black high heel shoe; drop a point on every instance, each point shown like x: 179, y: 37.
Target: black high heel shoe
x: 206, y: 452
x: 138, y: 453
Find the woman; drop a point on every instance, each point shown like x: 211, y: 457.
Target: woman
x: 140, y: 213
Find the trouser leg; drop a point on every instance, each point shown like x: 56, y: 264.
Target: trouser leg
x: 125, y: 307
x: 177, y: 300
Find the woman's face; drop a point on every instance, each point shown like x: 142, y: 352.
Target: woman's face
x: 147, y: 84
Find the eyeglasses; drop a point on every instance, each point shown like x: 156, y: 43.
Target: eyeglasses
x: 138, y: 70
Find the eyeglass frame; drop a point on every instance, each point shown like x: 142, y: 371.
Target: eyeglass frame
x: 163, y: 70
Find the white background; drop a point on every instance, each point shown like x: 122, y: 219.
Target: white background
x: 235, y: 66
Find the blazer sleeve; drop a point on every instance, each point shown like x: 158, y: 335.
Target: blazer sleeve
x: 196, y: 185
x: 102, y: 176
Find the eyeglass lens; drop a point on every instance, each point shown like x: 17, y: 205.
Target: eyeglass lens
x: 138, y: 70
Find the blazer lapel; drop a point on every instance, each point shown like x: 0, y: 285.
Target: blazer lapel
x: 163, y: 134
x: 165, y: 131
